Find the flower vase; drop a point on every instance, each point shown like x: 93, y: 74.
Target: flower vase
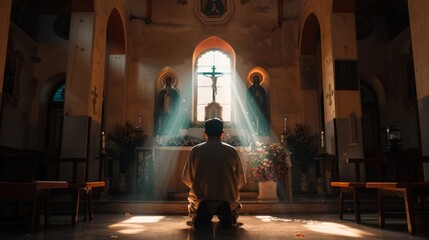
x: 123, y: 182
x: 304, y: 182
x: 267, y: 191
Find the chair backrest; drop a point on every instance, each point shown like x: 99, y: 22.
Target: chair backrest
x: 75, y: 146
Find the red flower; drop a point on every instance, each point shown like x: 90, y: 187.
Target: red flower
x: 266, y: 162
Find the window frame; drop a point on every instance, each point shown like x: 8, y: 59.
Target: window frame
x: 200, y: 123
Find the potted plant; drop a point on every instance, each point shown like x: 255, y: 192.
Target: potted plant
x: 266, y: 164
x: 121, y: 142
x: 303, y: 145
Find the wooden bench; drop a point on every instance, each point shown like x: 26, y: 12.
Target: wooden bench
x: 354, y: 188
x: 31, y: 192
x: 86, y: 188
x: 409, y: 191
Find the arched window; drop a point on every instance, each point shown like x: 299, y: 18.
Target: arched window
x: 58, y: 96
x: 214, y: 82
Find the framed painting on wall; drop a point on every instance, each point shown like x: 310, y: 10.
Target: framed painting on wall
x: 346, y: 75
x: 213, y: 11
x: 12, y: 72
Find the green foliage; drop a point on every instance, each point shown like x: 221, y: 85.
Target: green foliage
x: 303, y: 145
x: 183, y: 141
x: 123, y: 141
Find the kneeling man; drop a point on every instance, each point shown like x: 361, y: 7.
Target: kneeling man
x: 214, y: 173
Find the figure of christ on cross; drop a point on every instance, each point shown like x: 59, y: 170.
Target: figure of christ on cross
x: 213, y: 75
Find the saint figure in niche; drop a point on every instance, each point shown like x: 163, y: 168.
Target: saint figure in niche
x: 257, y: 105
x: 167, y: 105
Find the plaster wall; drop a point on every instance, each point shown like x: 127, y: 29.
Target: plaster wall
x: 17, y: 130
x: 5, y: 7
x: 79, y: 64
x: 419, y: 24
x: 170, y: 39
x: 401, y: 110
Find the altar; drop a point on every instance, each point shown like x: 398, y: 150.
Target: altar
x: 159, y: 172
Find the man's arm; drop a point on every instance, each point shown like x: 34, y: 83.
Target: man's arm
x: 187, y: 177
x: 241, y: 175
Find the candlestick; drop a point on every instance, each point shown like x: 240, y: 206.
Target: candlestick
x: 285, y: 126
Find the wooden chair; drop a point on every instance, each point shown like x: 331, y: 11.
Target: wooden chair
x: 78, y: 185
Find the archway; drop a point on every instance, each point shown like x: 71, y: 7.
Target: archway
x: 114, y: 101
x: 311, y: 86
x: 114, y: 86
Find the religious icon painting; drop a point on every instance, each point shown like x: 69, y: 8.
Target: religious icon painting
x: 346, y: 75
x: 12, y: 72
x: 213, y: 11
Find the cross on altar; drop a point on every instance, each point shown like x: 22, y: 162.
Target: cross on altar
x: 213, y: 75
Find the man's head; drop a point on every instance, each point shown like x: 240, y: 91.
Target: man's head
x: 213, y: 127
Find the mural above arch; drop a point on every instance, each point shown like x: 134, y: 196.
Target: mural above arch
x: 213, y: 11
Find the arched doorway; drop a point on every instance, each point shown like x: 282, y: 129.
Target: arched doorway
x: 54, y: 128
x: 370, y: 129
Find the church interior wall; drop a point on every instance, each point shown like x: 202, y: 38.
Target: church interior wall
x: 79, y: 64
x: 400, y: 112
x: 16, y: 125
x: 158, y: 47
x: 169, y: 41
x: 5, y: 13
x: 114, y: 90
x: 419, y: 31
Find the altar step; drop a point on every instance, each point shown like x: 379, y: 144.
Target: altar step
x: 181, y: 208
x: 183, y: 196
x: 299, y: 204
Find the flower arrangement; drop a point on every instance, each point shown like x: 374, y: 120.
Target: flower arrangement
x: 266, y: 162
x: 303, y: 145
x: 187, y: 140
x: 123, y: 140
x: 183, y: 141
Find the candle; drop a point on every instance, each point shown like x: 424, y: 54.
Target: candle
x: 322, y: 139
x: 103, y: 141
x: 139, y: 121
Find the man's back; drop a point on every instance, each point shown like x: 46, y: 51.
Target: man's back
x: 216, y: 168
x: 214, y: 173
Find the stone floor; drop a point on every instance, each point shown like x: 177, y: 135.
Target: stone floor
x: 251, y: 227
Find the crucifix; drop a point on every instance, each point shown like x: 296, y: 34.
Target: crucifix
x: 213, y: 75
